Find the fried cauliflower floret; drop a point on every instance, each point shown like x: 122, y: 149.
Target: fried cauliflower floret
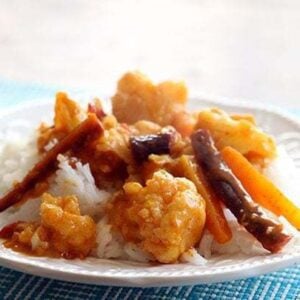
x: 115, y: 139
x: 137, y: 98
x: 62, y: 231
x: 70, y: 232
x: 239, y: 132
x: 68, y: 115
x: 109, y: 155
x: 144, y: 127
x: 166, y: 217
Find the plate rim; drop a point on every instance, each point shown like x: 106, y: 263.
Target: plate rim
x: 253, y: 270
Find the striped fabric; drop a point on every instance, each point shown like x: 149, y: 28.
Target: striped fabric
x: 279, y: 285
x: 284, y: 284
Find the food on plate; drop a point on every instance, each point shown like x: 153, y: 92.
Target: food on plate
x: 239, y: 132
x: 37, y: 177
x: 144, y: 145
x: 62, y: 230
x: 163, y: 104
x: 149, y: 182
x: 166, y: 216
x: 234, y: 196
x: 261, y: 189
x: 216, y: 222
x: 68, y: 115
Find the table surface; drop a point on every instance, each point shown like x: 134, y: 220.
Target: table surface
x: 233, y: 48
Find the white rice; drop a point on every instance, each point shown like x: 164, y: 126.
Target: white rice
x: 112, y: 245
x: 80, y: 182
x: 17, y: 157
x: 241, y: 242
x: 192, y: 257
x: 285, y: 175
x: 28, y: 212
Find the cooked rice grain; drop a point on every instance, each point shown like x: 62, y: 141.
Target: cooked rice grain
x: 79, y: 181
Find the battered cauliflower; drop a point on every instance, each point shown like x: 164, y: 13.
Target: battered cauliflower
x: 62, y: 232
x: 109, y: 155
x: 137, y: 98
x: 70, y: 233
x: 166, y: 217
x: 237, y: 132
x: 68, y: 115
x: 114, y: 139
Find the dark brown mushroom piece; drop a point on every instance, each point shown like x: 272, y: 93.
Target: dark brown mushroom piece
x: 144, y: 145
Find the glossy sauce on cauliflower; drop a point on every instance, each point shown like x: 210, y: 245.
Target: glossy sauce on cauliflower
x: 63, y: 232
x: 166, y: 217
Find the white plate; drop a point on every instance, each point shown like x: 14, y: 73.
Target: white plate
x: 109, y: 272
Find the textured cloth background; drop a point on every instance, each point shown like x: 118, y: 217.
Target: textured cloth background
x: 284, y: 284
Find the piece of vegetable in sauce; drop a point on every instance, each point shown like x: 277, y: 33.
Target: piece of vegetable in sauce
x: 239, y: 132
x: 269, y: 232
x: 62, y: 231
x: 67, y: 116
x: 261, y: 189
x: 68, y: 113
x: 138, y: 98
x: 216, y: 222
x: 89, y: 129
x: 144, y: 145
x: 7, y: 231
x: 165, y: 217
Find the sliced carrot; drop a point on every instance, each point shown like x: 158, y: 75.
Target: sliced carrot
x: 216, y: 222
x: 261, y: 189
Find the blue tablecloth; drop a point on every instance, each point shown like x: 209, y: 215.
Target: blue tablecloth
x: 284, y: 284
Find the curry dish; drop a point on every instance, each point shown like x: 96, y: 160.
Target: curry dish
x: 160, y: 177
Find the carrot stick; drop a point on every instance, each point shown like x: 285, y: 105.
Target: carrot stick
x: 215, y: 219
x: 228, y: 188
x: 261, y: 189
x: 89, y: 129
